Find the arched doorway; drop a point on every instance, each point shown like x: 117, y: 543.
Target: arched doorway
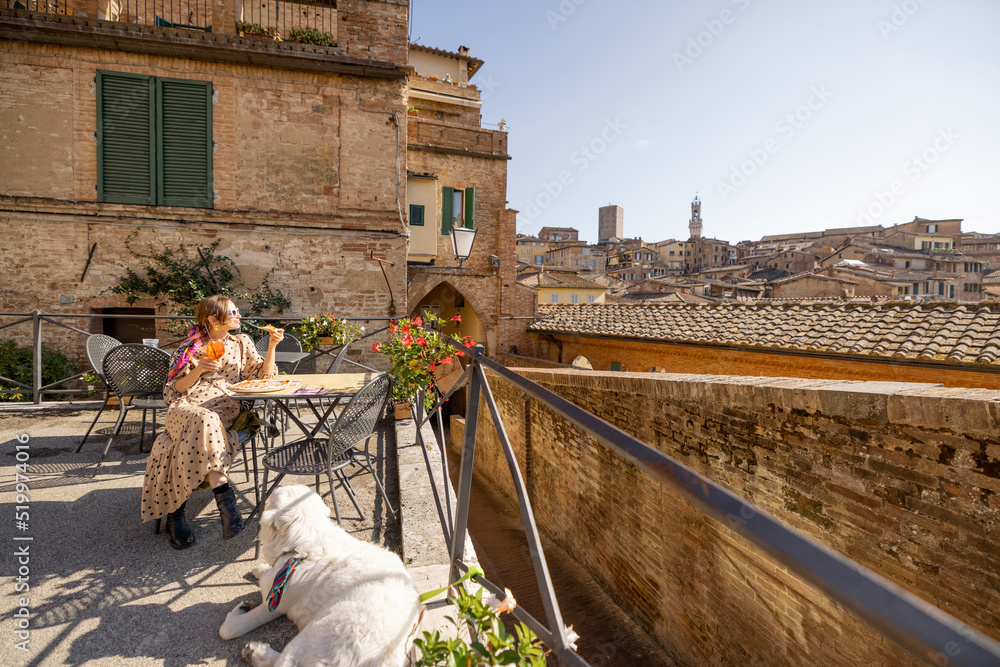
x: 446, y: 302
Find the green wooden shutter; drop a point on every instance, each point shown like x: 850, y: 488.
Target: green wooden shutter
x: 616, y: 365
x: 447, y: 209
x: 470, y: 208
x: 125, y: 138
x: 416, y: 215
x: 184, y: 142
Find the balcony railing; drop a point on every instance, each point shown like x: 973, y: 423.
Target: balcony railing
x: 276, y: 17
x: 914, y: 624
x: 36, y: 319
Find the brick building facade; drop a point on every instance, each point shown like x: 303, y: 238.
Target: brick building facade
x: 457, y: 176
x: 305, y: 156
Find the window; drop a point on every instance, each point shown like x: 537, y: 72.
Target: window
x: 590, y: 299
x: 555, y: 298
x: 458, y: 208
x: 417, y: 215
x: 573, y: 298
x: 154, y: 140
x: 931, y: 229
x: 916, y: 288
x: 616, y: 365
x: 538, y: 260
x: 586, y: 251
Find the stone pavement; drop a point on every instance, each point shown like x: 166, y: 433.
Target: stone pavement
x: 103, y: 589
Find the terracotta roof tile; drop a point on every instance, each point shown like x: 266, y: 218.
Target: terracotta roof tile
x: 943, y: 332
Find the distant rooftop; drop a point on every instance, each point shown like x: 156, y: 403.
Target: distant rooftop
x: 954, y: 333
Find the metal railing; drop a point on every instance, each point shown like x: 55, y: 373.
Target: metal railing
x: 282, y: 15
x: 45, y: 6
x: 37, y: 318
x: 287, y: 15
x: 918, y: 626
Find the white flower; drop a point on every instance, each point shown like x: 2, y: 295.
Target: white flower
x: 508, y: 603
x: 362, y: 328
x: 571, y: 637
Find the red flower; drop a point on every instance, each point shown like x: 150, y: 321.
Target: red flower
x: 457, y: 318
x: 459, y: 353
x: 406, y: 328
x: 417, y: 321
x: 392, y: 327
x: 433, y: 366
x: 468, y: 342
x: 376, y: 347
x: 407, y: 340
x: 446, y: 360
x: 421, y: 342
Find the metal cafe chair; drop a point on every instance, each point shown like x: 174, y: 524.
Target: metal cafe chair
x: 98, y: 346
x: 138, y: 373
x: 330, y: 455
x: 287, y: 344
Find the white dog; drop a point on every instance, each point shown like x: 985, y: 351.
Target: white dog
x: 353, y: 602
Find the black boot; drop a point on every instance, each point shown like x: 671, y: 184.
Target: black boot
x: 232, y: 522
x: 178, y: 529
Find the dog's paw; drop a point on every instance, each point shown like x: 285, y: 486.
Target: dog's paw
x: 259, y: 654
x: 259, y: 570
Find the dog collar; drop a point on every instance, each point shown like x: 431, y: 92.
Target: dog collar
x: 280, y: 582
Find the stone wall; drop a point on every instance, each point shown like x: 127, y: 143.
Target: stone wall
x: 641, y: 356
x: 304, y: 172
x: 901, y: 478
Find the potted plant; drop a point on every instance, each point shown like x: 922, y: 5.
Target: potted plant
x: 416, y: 353
x: 327, y: 330
x: 256, y: 30
x: 412, y: 110
x: 309, y: 35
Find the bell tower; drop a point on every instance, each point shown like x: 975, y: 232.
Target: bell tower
x: 694, y: 225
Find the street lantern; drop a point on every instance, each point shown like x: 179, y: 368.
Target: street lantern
x: 462, y: 239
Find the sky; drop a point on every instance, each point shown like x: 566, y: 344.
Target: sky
x: 781, y: 115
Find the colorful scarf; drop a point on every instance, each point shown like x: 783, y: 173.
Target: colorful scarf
x: 183, y: 355
x: 280, y: 582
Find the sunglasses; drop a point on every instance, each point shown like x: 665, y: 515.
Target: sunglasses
x: 235, y: 312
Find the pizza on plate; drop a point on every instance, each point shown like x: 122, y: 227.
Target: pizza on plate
x: 260, y: 385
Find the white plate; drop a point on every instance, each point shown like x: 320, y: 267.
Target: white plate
x: 262, y: 390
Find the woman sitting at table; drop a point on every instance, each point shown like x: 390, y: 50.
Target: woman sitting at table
x: 196, y: 445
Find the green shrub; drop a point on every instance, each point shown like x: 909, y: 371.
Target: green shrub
x: 311, y: 36
x: 16, y: 364
x: 257, y: 30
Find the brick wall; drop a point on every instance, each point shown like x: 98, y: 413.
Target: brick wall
x: 479, y: 282
x: 305, y: 179
x: 642, y: 356
x: 901, y: 478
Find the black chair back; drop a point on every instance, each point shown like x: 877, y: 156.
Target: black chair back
x: 358, y: 419
x: 136, y: 370
x: 98, y: 346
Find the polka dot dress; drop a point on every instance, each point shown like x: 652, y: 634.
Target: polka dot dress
x: 196, y: 438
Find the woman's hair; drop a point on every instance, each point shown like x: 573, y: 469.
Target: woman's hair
x: 216, y: 306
